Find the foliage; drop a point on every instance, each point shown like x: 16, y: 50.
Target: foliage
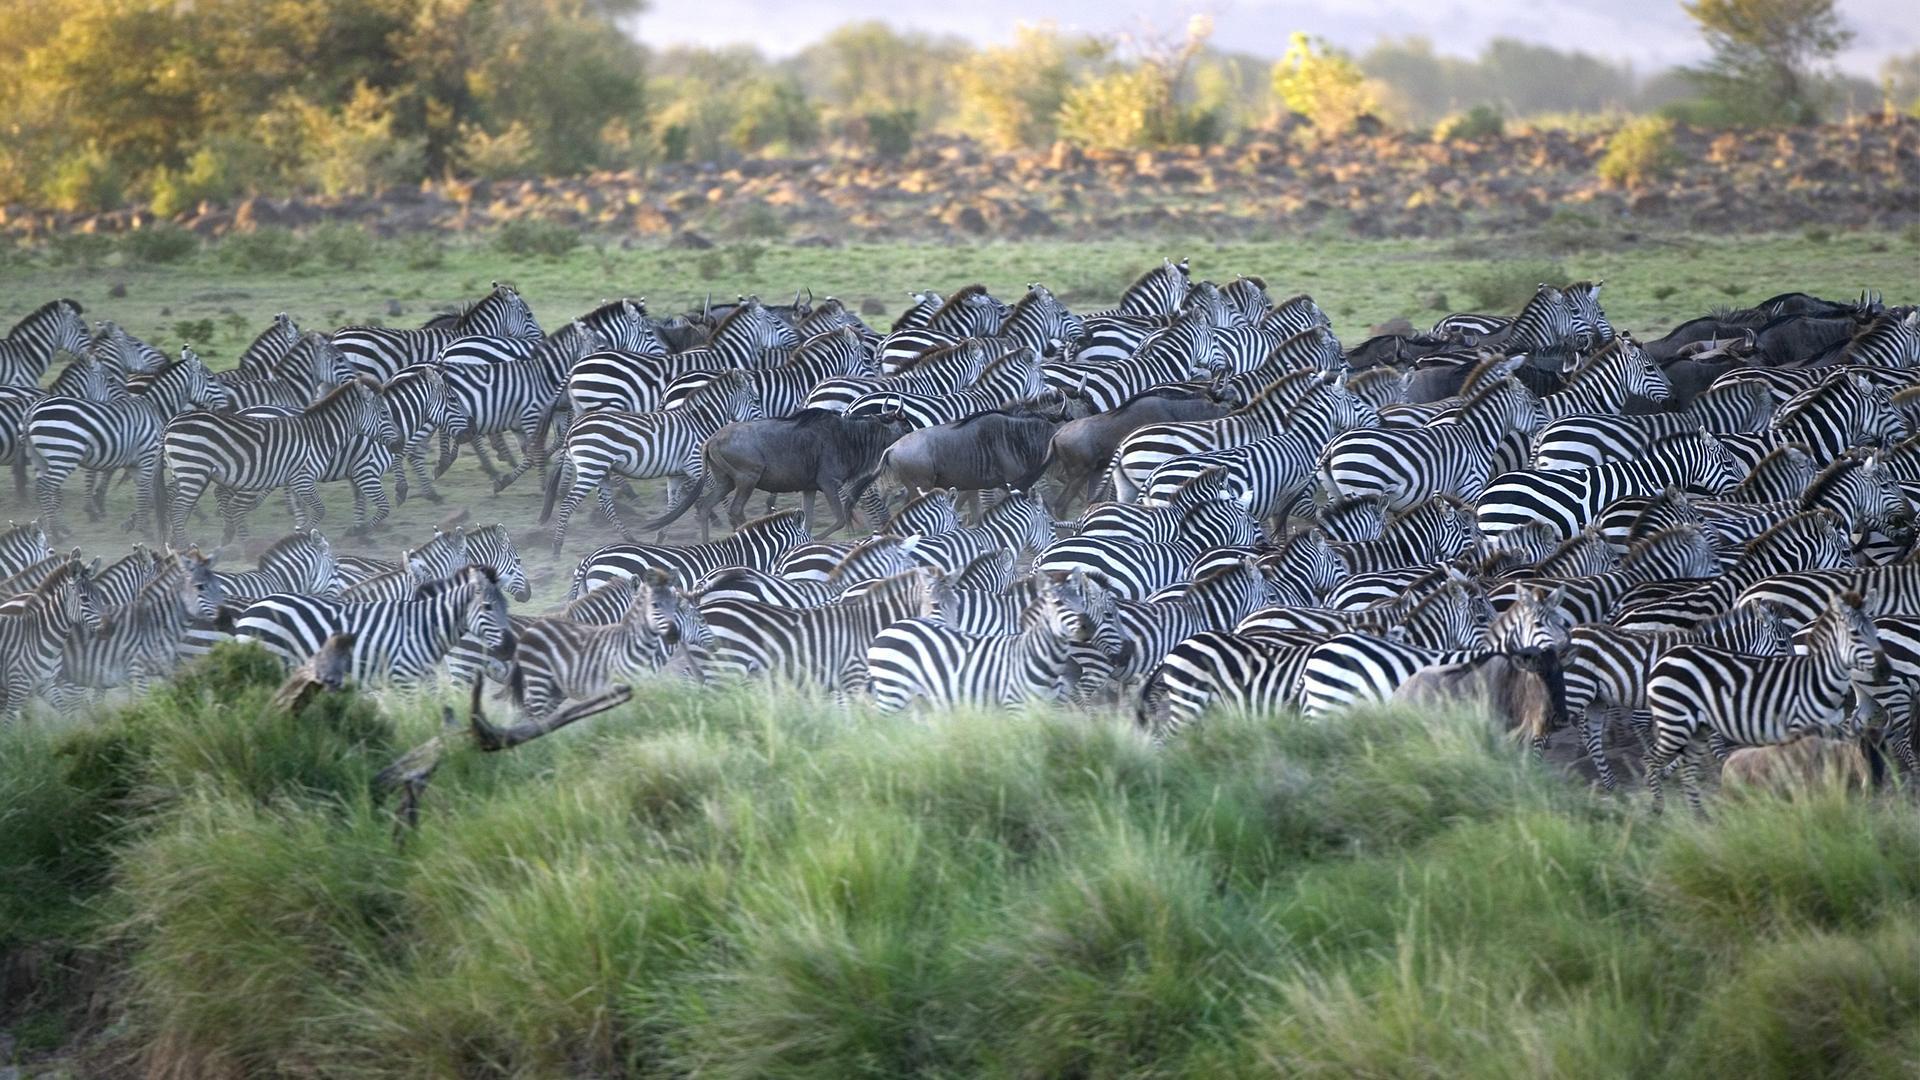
x: 1479, y: 122
x: 86, y: 179
x: 1639, y: 152
x: 1764, y: 55
x: 1506, y: 285
x: 160, y: 243
x: 355, y: 150
x: 1139, y: 104
x: 270, y: 249
x: 1524, y: 79
x: 753, y: 883
x: 870, y: 69
x: 1324, y: 85
x: 493, y: 156
x: 774, y: 116
x: 342, y: 245
x: 1011, y: 95
x: 528, y: 236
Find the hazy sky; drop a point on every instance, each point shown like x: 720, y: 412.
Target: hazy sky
x: 1651, y: 33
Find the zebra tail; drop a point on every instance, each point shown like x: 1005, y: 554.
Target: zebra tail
x: 860, y: 485
x: 20, y: 468
x: 689, y: 493
x: 554, y: 478
x: 545, y: 426
x: 1150, y: 709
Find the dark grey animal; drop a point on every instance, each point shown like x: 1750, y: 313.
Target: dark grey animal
x: 1082, y: 449
x: 814, y: 450
x: 1396, y: 349
x: 986, y: 450
x: 1802, y: 340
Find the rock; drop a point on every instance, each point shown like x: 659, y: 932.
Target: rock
x: 817, y: 240
x: 166, y: 311
x: 688, y: 240
x: 119, y: 290
x: 968, y: 219
x: 1436, y: 301
x: 872, y: 305
x: 394, y: 308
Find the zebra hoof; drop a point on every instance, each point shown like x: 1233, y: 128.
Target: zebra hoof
x: 500, y: 486
x: 434, y: 497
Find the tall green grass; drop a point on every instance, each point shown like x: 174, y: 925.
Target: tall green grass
x: 743, y: 883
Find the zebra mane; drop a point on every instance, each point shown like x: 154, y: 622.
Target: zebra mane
x: 1146, y: 281
x: 1839, y: 382
x: 1665, y: 541
x: 1805, y: 523
x: 45, y: 309
x: 870, y: 548
x: 1829, y: 478
x: 433, y: 590
x: 766, y: 522
x: 960, y: 298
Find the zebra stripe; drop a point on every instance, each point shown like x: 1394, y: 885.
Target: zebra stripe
x: 395, y: 642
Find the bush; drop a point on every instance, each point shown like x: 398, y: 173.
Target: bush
x: 1639, y: 153
x: 79, y: 249
x: 218, y: 172
x: 195, y: 332
x: 423, y: 251
x: 159, y: 243
x: 1479, y: 122
x: 85, y: 180
x: 528, y: 236
x: 1506, y: 286
x: 355, y: 150
x: 489, y: 156
x: 890, y: 133
x: 341, y: 245
x: 267, y: 249
x: 1323, y: 85
x: 757, y: 221
x: 775, y: 117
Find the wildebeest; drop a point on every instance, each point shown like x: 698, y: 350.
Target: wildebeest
x: 1081, y: 449
x: 814, y: 450
x: 986, y: 450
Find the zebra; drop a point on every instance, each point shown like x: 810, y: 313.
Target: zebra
x: 34, y: 636
x: 203, y: 449
x: 1838, y: 415
x: 1609, y: 379
x: 1454, y: 616
x: 1799, y: 596
x: 299, y: 562
x: 824, y: 646
x: 1757, y: 701
x: 941, y: 371
x: 1361, y: 517
x: 1591, y: 330
x: 785, y: 390
x: 514, y: 395
x: 1900, y: 637
x: 1570, y: 500
x: 1216, y: 600
x: 442, y: 555
x: 1134, y: 571
x: 1219, y: 669
x: 396, y: 642
x: 258, y: 359
x: 417, y: 405
x: 759, y: 543
x: 116, y: 584
x: 303, y: 373
x: 124, y: 354
x: 380, y: 352
x: 1278, y: 408
x: 1890, y: 341
x: 1681, y: 553
x: 924, y: 659
x: 970, y: 312
x: 28, y: 349
x: 604, y: 446
x: 636, y: 381
x: 1018, y: 523
x: 1803, y: 541
x: 84, y: 378
x: 1156, y: 522
x: 141, y: 641
x: 877, y: 557
x: 22, y: 546
x: 1012, y: 378
x: 63, y: 434
x: 560, y: 659
x: 1605, y: 672
x: 1439, y: 529
x: 1590, y: 441
x: 1146, y: 305
x: 1404, y: 465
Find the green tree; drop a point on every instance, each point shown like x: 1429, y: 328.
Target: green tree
x: 1323, y: 84
x: 869, y: 67
x: 1767, y: 54
x: 1011, y: 95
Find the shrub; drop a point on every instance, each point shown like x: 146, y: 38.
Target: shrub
x: 890, y: 133
x: 195, y: 331
x: 745, y: 258
x: 217, y: 172
x: 423, y: 251
x: 491, y: 156
x: 345, y: 246
x: 1324, y: 85
x: 160, y: 242
x: 711, y: 265
x: 269, y: 249
x: 775, y: 117
x: 758, y: 221
x: 1639, y: 153
x: 79, y: 249
x: 355, y: 150
x: 87, y: 179
x: 1506, y: 286
x: 1661, y: 292
x: 528, y: 236
x: 1479, y: 122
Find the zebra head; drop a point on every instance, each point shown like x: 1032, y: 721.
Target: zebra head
x: 1074, y: 607
x: 1845, y: 632
x: 1640, y: 376
x: 1305, y: 569
x: 1534, y: 629
x: 367, y: 411
x: 486, y: 613
x: 440, y: 557
x: 75, y: 594
x: 70, y: 330
x: 1590, y: 326
x: 493, y: 547
x: 1023, y: 518
x: 200, y: 590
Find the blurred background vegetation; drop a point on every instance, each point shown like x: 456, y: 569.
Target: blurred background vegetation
x: 112, y: 102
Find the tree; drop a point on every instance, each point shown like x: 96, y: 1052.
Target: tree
x: 1323, y: 85
x: 1011, y: 95
x: 1766, y: 53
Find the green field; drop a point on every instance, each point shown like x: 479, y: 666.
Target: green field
x: 219, y: 297
x: 727, y: 883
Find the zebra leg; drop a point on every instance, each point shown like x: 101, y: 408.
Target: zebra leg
x: 146, y: 482
x: 416, y: 459
x: 499, y: 441
x: 303, y: 494
x: 96, y: 500
x: 475, y: 440
x: 564, y: 512
x: 1593, y: 736
x: 1690, y: 776
x: 369, y: 489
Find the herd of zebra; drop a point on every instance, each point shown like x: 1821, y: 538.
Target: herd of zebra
x: 1197, y: 499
